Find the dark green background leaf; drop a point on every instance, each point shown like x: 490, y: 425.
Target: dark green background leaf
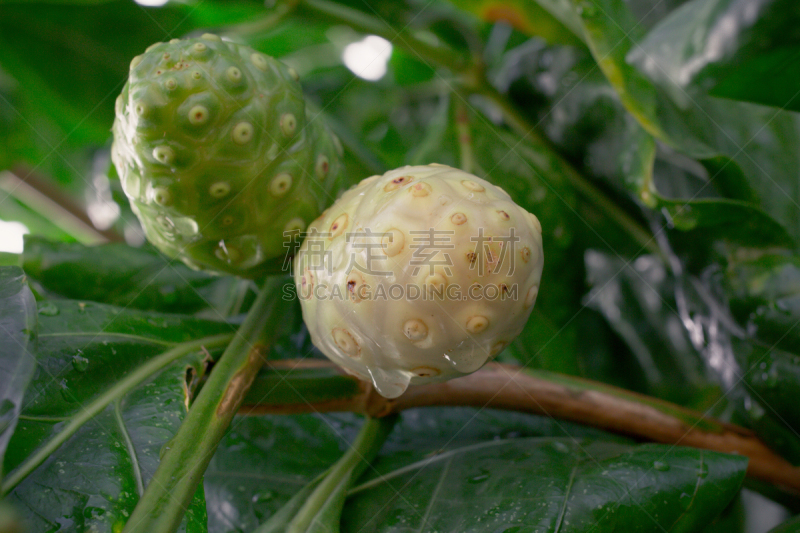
x: 18, y: 330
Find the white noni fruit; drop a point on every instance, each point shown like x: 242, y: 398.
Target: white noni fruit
x: 420, y: 275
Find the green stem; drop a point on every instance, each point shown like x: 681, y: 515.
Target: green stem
x: 262, y: 24
x: 180, y: 472
x: 119, y: 390
x: 335, y: 13
x: 464, y: 135
x: 475, y: 82
x: 352, y: 464
x: 321, y: 501
x: 579, y: 182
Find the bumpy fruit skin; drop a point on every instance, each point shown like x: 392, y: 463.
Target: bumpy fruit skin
x: 429, y: 327
x: 218, y: 156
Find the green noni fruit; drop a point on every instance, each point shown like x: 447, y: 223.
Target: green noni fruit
x: 218, y: 155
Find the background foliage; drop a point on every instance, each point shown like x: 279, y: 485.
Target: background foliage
x: 656, y: 142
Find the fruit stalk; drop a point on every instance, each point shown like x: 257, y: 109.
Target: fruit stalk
x: 287, y: 388
x: 180, y: 472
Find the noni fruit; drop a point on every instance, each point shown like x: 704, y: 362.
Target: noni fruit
x: 218, y: 155
x: 420, y: 275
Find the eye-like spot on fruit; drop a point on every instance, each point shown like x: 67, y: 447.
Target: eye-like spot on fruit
x: 288, y: 124
x: 166, y: 56
x: 234, y: 75
x: 242, y: 133
x: 158, y: 72
x: 530, y: 298
x: 198, y: 115
x: 426, y: 371
x: 164, y: 154
x: 419, y: 190
x: 536, y: 224
x: 219, y: 189
x: 473, y: 186
x: 227, y: 220
x: 141, y: 109
x: 477, y: 323
x: 280, y: 184
x: 355, y: 286
x: 346, y: 342
x: 393, y: 241
x: 415, y: 329
x: 211, y: 37
x: 199, y: 47
x: 398, y: 182
x: 135, y: 62
x: 504, y: 215
x: 171, y: 84
x: 472, y: 257
x: 162, y: 196
x: 322, y: 166
x: 497, y: 348
x: 458, y: 218
x: 338, y: 226
x: 293, y: 227
x: 293, y: 74
x: 196, y: 74
x: 435, y: 284
x: 525, y: 253
x: 306, y: 285
x: 259, y: 61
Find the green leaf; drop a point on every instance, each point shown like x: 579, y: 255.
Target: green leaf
x: 638, y: 301
x: 258, y: 466
x: 790, y: 526
x: 758, y: 140
x: 118, y: 274
x: 727, y: 48
x: 317, y: 507
x: 764, y: 296
x: 18, y: 327
x: 101, y: 360
x: 73, y: 63
x: 569, y: 485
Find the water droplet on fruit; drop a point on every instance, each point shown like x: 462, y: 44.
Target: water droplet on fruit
x: 389, y: 384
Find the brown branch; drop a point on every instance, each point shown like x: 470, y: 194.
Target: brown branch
x: 508, y: 387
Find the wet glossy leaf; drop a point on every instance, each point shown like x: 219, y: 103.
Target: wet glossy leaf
x: 727, y: 48
x: 569, y: 485
x: 638, y: 300
x: 257, y: 467
x: 94, y: 479
x: 72, y: 61
x: 140, y: 278
x: 18, y: 330
x: 752, y: 137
